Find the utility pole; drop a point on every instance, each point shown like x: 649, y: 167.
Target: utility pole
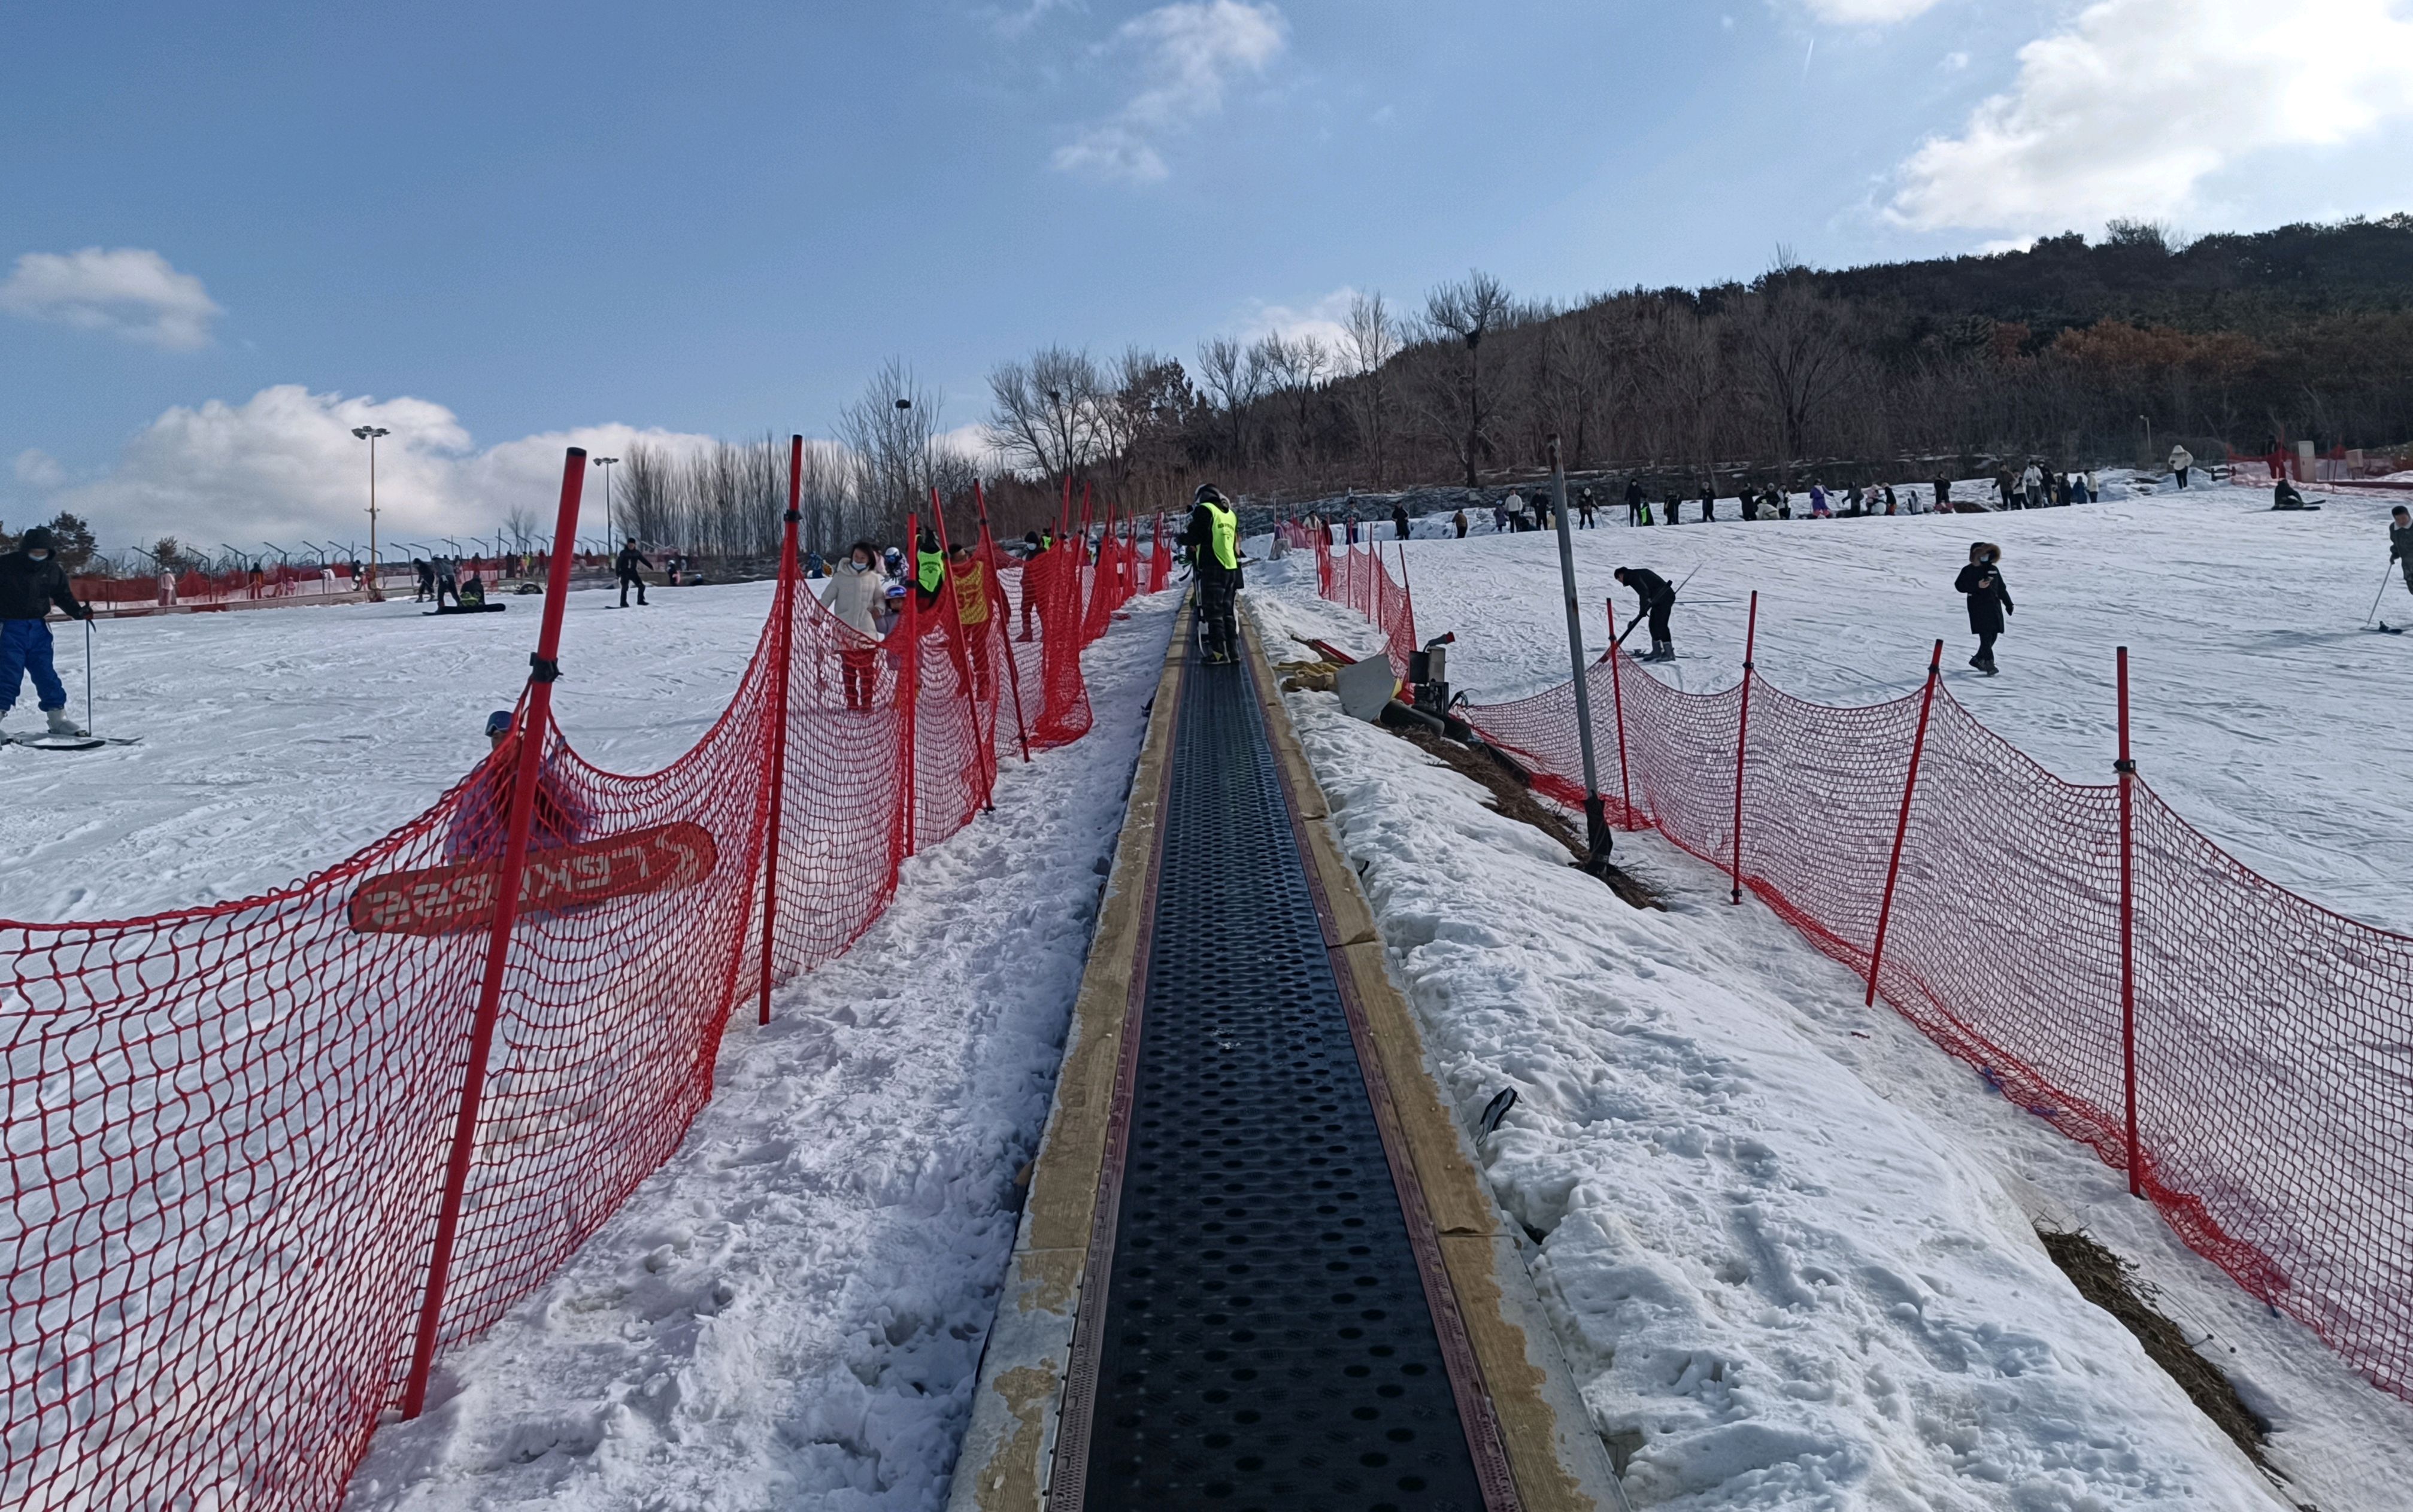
x: 370, y: 433
x: 610, y: 528
x: 1597, y: 840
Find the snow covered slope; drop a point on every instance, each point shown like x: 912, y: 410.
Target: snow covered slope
x: 2263, y: 711
x: 276, y: 742
x: 1788, y: 1241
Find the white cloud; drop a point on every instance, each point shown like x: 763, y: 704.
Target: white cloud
x: 2131, y: 108
x: 284, y: 465
x: 1324, y: 318
x: 1183, y: 55
x: 130, y: 292
x: 39, y: 469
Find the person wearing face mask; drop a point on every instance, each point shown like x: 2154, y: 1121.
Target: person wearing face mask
x: 31, y: 581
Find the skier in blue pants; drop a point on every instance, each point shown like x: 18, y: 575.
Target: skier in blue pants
x: 31, y: 581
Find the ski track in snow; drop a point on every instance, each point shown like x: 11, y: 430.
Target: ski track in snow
x: 2262, y: 709
x: 1787, y: 1242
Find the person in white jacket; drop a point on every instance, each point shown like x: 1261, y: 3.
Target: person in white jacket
x: 2181, y: 459
x: 2032, y: 484
x: 857, y: 592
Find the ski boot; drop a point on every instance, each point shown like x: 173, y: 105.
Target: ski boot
x: 62, y: 725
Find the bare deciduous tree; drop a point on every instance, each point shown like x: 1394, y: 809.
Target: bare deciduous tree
x: 1374, y: 341
x: 1234, y: 376
x: 891, y: 432
x: 1048, y: 413
x: 1467, y: 312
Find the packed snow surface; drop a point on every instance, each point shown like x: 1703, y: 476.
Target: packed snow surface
x: 1789, y: 1244
x: 2262, y: 709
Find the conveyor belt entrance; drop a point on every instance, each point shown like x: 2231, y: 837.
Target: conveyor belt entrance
x: 1268, y: 1334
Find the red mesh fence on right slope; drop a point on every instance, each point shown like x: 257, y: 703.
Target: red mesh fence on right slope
x: 2274, y: 1038
x: 238, y: 1135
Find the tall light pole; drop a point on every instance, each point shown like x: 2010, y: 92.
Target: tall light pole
x: 370, y: 433
x: 611, y: 530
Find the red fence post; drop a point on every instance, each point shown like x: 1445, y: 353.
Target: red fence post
x: 990, y: 560
x: 786, y: 600
x: 908, y: 679
x: 1742, y: 734
x: 2127, y: 768
x: 1616, y: 696
x: 1902, y: 821
x: 535, y: 725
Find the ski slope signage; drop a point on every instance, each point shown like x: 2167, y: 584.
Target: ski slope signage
x: 448, y: 900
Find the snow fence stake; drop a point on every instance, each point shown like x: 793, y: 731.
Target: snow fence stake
x: 2126, y: 766
x: 996, y: 591
x: 909, y: 690
x: 1902, y: 821
x: 1616, y: 696
x: 1743, y: 732
x: 535, y: 723
x: 779, y: 794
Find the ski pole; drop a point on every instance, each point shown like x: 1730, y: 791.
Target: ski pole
x: 2385, y: 574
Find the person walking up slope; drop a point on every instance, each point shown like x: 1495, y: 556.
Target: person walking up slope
x: 1658, y: 602
x: 1213, y: 538
x: 1989, y: 601
x: 31, y: 581
x: 858, y: 592
x: 2181, y: 459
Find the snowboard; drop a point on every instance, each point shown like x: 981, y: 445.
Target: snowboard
x: 65, y: 742
x: 2387, y: 629
x: 464, y: 608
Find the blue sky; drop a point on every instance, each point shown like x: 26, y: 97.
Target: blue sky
x: 233, y: 226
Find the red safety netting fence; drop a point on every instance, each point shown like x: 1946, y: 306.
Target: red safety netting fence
x: 1360, y: 580
x: 267, y: 1159
x: 2241, y: 1052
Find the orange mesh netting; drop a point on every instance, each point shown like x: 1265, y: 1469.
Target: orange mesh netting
x: 2269, y: 1034
x: 233, y: 1132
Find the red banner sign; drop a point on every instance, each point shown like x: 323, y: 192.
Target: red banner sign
x: 448, y: 900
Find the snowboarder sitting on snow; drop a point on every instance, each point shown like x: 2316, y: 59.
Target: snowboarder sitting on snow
x: 1213, y: 538
x: 625, y: 567
x: 2400, y: 542
x: 1990, y: 600
x: 1658, y: 602
x: 31, y: 581
x: 481, y: 823
x: 2284, y: 496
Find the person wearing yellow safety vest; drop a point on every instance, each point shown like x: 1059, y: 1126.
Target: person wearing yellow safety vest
x: 930, y: 572
x: 1214, y: 542
x: 972, y: 609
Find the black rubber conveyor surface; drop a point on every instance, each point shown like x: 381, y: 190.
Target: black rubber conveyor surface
x: 1266, y: 1340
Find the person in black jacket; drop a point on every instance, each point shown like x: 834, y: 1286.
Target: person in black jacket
x: 1990, y: 600
x: 1658, y: 602
x: 31, y: 581
x: 1636, y: 503
x: 2400, y: 542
